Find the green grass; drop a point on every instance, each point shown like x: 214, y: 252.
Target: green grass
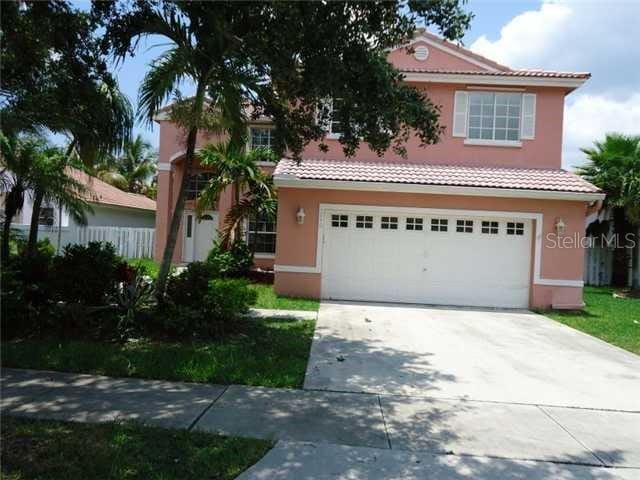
x: 36, y: 449
x: 269, y: 352
x: 150, y: 265
x: 267, y: 298
x: 614, y: 320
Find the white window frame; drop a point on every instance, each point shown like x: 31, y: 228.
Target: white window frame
x: 328, y: 122
x: 493, y: 142
x: 270, y: 128
x: 258, y: 253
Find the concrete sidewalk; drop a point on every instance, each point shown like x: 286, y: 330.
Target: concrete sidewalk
x: 393, y: 426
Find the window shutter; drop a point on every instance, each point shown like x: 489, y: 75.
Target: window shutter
x: 528, y: 131
x: 460, y: 114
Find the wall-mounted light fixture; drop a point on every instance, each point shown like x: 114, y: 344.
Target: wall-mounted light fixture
x: 561, y: 226
x: 300, y: 216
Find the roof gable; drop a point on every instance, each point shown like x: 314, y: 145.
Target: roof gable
x: 440, y: 55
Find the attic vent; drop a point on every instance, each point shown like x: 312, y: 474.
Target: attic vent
x: 421, y: 53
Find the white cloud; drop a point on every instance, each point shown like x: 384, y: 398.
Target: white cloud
x: 573, y: 35
x: 590, y: 117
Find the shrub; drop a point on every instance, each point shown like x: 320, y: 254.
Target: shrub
x: 87, y: 274
x: 134, y: 297
x: 189, y: 287
x: 214, y: 313
x: 234, y: 262
x: 25, y: 293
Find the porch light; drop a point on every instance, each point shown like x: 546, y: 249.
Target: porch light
x: 300, y: 215
x: 561, y: 226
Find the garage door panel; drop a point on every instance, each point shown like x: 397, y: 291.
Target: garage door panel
x: 436, y: 261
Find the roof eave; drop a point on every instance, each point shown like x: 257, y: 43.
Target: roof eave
x: 292, y: 181
x: 506, y: 80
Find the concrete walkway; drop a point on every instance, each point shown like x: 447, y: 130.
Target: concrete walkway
x: 406, y: 434
x: 274, y: 313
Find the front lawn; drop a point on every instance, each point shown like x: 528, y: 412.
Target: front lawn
x: 150, y: 265
x: 36, y: 449
x: 267, y: 298
x: 267, y: 352
x: 614, y: 320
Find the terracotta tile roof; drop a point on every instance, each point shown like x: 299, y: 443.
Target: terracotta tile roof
x: 102, y: 193
x: 424, y: 174
x: 510, y: 73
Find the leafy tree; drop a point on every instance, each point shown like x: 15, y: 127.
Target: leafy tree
x: 52, y: 56
x: 252, y: 189
x: 55, y: 77
x: 614, y: 166
x: 284, y: 59
x: 131, y: 171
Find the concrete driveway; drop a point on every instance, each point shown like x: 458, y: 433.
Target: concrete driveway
x: 447, y: 353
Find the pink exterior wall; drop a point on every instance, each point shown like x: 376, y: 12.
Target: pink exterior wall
x: 297, y: 243
x: 544, y: 151
x: 437, y: 60
x: 170, y: 152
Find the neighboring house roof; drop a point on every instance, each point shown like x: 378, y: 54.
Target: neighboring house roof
x: 510, y: 73
x: 102, y: 193
x: 444, y: 175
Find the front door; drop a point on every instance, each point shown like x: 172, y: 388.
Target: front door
x: 199, y: 234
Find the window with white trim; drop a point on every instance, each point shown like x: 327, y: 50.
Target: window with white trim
x: 340, y: 221
x: 515, y: 228
x: 439, y: 224
x: 389, y: 223
x: 330, y: 108
x: 260, y: 137
x: 494, y: 116
x: 414, y: 223
x: 364, y: 221
x: 489, y: 227
x: 47, y: 216
x: 261, y: 235
x: 464, y: 226
x: 196, y: 184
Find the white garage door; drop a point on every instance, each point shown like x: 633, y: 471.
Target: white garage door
x: 433, y: 259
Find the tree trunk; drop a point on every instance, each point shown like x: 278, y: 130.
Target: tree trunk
x: 11, y: 207
x: 6, y: 234
x: 619, y: 276
x: 35, y: 221
x: 176, y: 218
x: 636, y: 254
x: 236, y: 198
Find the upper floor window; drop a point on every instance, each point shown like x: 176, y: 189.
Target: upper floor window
x: 494, y: 116
x: 196, y: 184
x: 330, y: 109
x: 260, y: 137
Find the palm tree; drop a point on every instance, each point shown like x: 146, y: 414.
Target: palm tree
x: 51, y: 183
x: 132, y: 170
x: 233, y: 167
x: 614, y: 166
x: 217, y: 89
x: 18, y: 156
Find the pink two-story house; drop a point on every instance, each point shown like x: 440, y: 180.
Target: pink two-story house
x: 486, y: 217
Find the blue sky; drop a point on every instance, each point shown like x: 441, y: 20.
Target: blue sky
x: 576, y: 35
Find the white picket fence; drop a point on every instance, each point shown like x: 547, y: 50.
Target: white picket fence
x: 129, y: 242
x: 598, y: 266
